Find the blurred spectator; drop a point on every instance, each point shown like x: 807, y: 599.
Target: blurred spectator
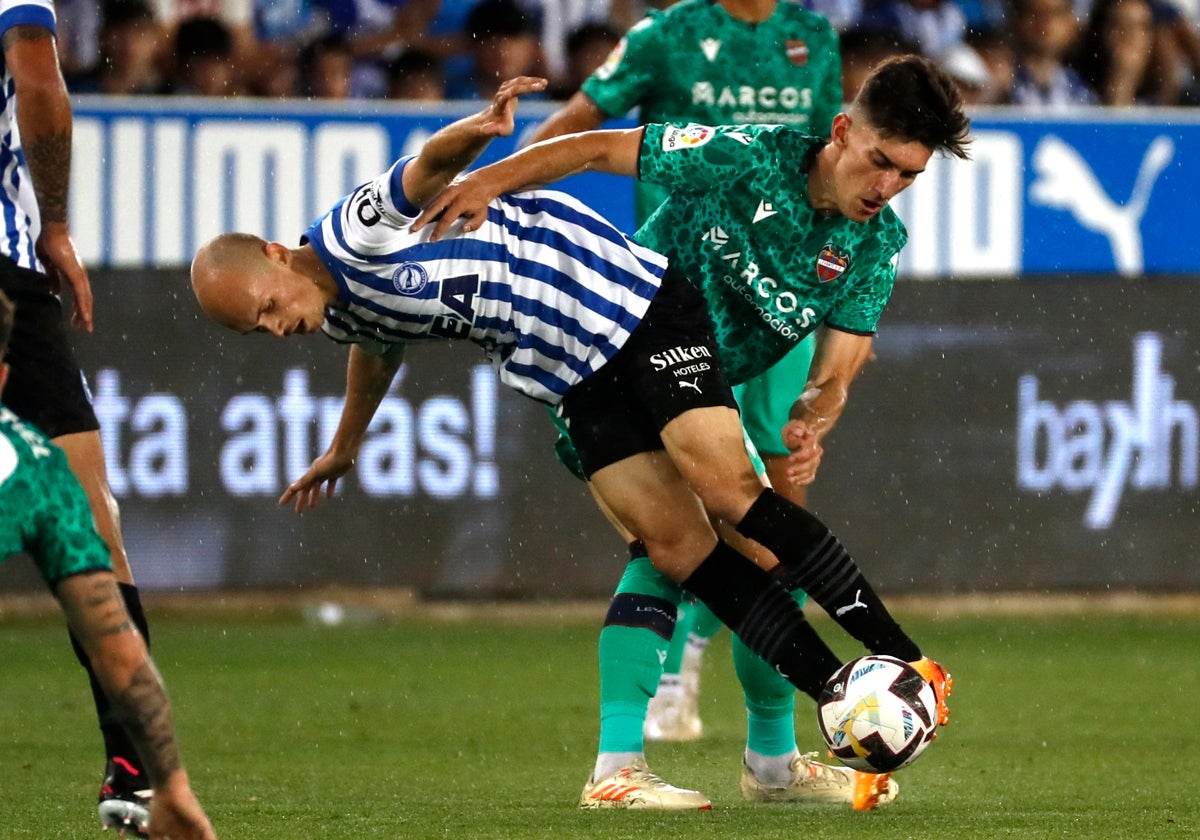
x: 1117, y: 52
x: 294, y: 22
x: 503, y: 43
x: 376, y: 32
x: 934, y: 26
x: 970, y: 74
x: 202, y: 53
x: 587, y: 48
x: 236, y: 15
x: 131, y: 42
x: 557, y: 20
x: 416, y: 75
x: 437, y: 28
x: 77, y: 33
x: 326, y: 68
x: 862, y: 49
x: 237, y: 18
x: 1044, y: 34
x: 281, y: 30
x: 994, y: 46
x: 987, y: 14
x: 844, y: 15
x: 1175, y: 63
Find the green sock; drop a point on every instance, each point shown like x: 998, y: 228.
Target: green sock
x: 632, y: 646
x: 770, y: 700
x: 704, y: 623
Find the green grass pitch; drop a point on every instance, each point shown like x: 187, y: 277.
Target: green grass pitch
x: 1081, y: 726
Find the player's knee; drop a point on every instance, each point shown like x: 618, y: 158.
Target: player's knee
x: 677, y: 554
x: 729, y: 500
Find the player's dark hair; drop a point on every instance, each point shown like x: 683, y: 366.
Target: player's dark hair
x: 911, y: 98
x: 6, y: 322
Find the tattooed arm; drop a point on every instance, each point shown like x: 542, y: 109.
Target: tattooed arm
x: 96, y: 612
x: 44, y: 122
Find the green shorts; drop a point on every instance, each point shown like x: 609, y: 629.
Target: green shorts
x: 766, y: 401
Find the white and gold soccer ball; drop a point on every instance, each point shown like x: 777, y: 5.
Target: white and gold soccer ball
x: 877, y: 714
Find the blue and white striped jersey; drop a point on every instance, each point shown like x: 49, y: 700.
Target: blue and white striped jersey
x: 19, y: 223
x: 549, y: 288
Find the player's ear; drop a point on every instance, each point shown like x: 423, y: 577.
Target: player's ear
x: 841, y: 129
x: 3, y: 375
x: 277, y: 252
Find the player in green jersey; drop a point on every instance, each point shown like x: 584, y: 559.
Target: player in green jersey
x: 44, y: 513
x: 784, y: 233
x: 724, y: 62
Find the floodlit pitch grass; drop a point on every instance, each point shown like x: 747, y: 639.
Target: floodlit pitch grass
x: 1082, y: 727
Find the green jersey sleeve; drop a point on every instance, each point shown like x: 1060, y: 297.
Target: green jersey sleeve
x: 67, y: 540
x: 43, y: 510
x: 697, y: 157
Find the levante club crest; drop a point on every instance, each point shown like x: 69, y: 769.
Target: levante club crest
x: 831, y: 264
x: 797, y: 52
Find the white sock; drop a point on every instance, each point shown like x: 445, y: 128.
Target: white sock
x: 771, y: 770
x: 608, y: 763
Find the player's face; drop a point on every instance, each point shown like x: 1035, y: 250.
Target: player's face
x: 275, y: 300
x: 872, y: 169
x: 284, y: 302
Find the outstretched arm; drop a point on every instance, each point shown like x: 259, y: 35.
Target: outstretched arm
x: 44, y: 121
x: 614, y: 152
x: 579, y: 113
x: 96, y: 612
x: 367, y: 381
x: 452, y: 149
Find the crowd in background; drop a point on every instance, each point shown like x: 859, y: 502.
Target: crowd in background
x: 1033, y: 53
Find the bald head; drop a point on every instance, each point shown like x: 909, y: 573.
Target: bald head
x: 221, y: 269
x: 250, y: 285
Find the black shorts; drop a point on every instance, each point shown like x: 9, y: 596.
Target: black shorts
x: 45, y: 385
x: 668, y: 366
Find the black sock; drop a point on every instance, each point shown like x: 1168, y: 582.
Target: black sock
x: 116, y: 741
x: 765, y: 617
x: 817, y: 563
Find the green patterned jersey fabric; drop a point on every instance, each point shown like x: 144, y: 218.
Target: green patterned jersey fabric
x: 694, y: 62
x: 43, y: 510
x: 739, y: 225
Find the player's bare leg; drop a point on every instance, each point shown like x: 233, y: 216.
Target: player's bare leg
x: 651, y: 499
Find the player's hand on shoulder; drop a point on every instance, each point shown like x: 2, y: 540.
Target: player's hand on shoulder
x: 467, y: 198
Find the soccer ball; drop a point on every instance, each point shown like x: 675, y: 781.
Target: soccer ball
x: 877, y: 714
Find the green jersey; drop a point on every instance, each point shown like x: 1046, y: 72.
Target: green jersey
x: 43, y: 510
x: 694, y: 62
x: 738, y: 223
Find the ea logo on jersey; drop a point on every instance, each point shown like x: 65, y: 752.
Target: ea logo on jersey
x: 831, y: 264
x: 410, y: 279
x: 686, y: 138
